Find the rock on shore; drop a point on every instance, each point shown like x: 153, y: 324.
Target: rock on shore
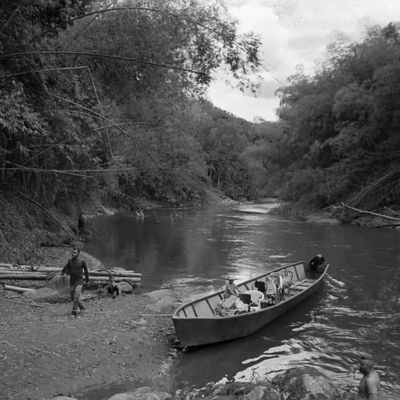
x: 304, y: 383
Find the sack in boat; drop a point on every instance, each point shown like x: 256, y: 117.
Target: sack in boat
x: 245, y: 298
x: 229, y: 302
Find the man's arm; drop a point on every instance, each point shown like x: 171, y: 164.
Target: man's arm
x: 85, y: 268
x: 65, y: 269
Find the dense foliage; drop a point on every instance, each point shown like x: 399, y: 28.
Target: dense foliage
x: 106, y: 95
x: 339, y: 131
x: 109, y: 96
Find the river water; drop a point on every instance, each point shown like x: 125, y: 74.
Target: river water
x: 194, y: 250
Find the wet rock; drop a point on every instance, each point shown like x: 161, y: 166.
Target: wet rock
x: 219, y: 390
x: 166, y: 304
x: 143, y: 390
x: 140, y: 322
x: 124, y: 287
x: 223, y: 397
x: 154, y: 396
x: 63, y: 398
x: 234, y: 389
x: 306, y: 384
x: 263, y: 393
x: 245, y: 391
x: 143, y: 393
x: 160, y: 294
x: 123, y: 396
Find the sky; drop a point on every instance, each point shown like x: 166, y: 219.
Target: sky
x: 294, y: 33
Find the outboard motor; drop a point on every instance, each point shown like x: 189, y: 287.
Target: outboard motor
x: 315, y: 262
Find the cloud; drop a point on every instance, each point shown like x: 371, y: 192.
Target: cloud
x: 242, y: 105
x: 296, y: 32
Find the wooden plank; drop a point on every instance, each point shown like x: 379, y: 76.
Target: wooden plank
x: 301, y: 272
x: 212, y: 310
x: 297, y: 274
x: 194, y: 310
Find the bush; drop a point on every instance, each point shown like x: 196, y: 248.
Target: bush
x: 301, y: 183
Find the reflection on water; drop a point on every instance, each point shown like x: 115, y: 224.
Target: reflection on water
x: 195, y: 250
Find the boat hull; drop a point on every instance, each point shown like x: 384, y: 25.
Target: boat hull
x: 200, y: 331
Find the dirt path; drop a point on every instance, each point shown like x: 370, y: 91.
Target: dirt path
x: 43, y: 352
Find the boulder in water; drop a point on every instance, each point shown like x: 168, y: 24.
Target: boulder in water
x: 142, y: 393
x: 306, y: 383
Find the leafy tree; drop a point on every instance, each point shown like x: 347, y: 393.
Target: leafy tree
x: 340, y: 126
x: 77, y: 100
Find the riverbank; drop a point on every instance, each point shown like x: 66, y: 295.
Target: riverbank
x: 117, y: 343
x: 120, y: 343
x: 339, y: 216
x: 81, y: 382
x: 119, y: 349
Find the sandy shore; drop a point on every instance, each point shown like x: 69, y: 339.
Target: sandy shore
x: 121, y: 342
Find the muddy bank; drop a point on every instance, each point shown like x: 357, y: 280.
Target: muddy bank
x: 358, y: 220
x: 121, y: 342
x: 336, y: 217
x: 295, y: 384
x: 117, y: 346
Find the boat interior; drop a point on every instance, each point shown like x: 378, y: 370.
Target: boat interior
x: 255, y: 294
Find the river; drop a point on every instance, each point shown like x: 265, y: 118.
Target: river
x: 194, y: 250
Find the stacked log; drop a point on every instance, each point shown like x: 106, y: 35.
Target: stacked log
x: 28, y: 272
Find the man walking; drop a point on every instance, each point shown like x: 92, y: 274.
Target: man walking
x: 75, y: 269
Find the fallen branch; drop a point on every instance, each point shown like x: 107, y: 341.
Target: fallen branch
x: 18, y: 289
x: 393, y: 212
x: 388, y: 225
x: 47, y: 212
x: 370, y: 213
x: 25, y: 303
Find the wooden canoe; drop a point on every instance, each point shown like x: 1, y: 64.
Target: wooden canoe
x: 197, y: 324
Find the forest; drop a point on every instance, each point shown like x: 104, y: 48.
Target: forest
x: 108, y: 99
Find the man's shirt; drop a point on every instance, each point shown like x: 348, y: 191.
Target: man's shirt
x: 75, y: 269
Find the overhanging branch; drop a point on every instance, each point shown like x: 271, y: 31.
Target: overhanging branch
x: 101, y: 55
x: 357, y: 210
